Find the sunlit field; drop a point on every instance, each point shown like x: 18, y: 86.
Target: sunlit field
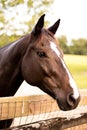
x: 78, y: 67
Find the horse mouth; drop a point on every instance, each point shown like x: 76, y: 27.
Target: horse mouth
x: 65, y: 106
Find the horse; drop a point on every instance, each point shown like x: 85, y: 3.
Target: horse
x: 37, y: 58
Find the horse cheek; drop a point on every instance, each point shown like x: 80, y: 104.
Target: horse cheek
x: 30, y: 71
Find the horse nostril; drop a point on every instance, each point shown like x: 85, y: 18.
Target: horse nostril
x: 71, y: 100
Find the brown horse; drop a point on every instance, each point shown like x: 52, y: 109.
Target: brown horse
x: 37, y: 58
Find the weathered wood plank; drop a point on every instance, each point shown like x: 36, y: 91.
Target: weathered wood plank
x: 31, y: 105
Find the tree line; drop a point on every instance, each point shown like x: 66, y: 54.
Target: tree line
x: 77, y: 46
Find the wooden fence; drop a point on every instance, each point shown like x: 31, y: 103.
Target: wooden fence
x: 31, y: 109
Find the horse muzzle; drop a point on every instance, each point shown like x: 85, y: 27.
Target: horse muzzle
x: 68, y: 103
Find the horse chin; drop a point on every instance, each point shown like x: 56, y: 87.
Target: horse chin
x: 64, y: 106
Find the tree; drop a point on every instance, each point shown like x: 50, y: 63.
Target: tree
x: 79, y: 46
x: 18, y: 16
x: 63, y: 44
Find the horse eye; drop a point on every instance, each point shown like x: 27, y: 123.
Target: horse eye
x: 41, y: 54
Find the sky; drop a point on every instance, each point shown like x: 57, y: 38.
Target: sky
x: 73, y: 15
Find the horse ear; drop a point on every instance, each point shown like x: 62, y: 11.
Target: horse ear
x: 38, y: 27
x: 54, y: 27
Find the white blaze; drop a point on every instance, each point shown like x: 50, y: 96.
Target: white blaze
x: 54, y: 48
x: 71, y: 81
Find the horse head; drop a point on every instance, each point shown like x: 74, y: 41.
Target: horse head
x: 43, y: 66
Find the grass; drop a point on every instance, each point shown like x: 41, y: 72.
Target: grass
x: 78, y: 67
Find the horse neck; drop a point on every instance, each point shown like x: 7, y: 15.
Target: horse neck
x: 12, y: 54
x: 10, y: 67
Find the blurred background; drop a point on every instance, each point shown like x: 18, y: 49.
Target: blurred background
x: 18, y: 17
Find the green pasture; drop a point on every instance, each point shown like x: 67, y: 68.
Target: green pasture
x: 77, y: 65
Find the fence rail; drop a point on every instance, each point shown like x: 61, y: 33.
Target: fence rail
x: 40, y: 107
x: 31, y: 105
